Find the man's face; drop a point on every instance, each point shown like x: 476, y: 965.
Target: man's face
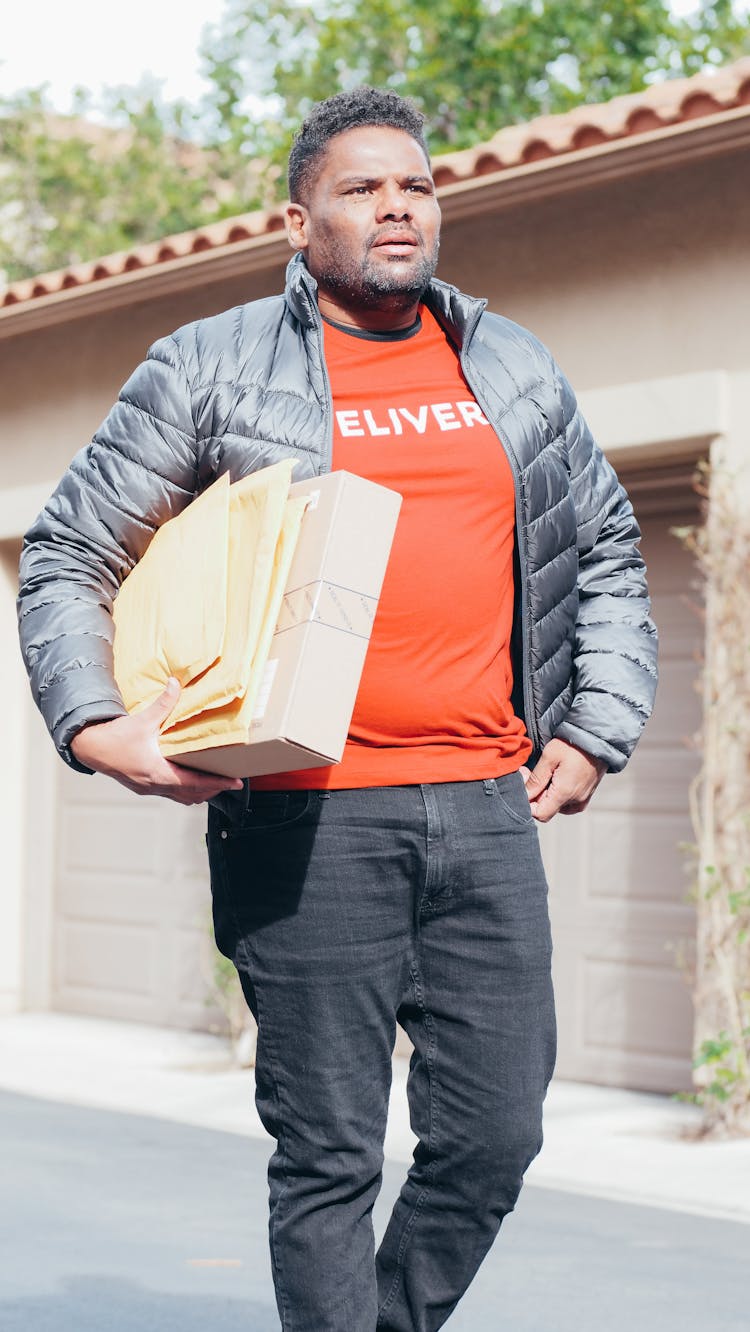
x: 370, y: 224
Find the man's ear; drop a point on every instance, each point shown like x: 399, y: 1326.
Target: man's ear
x: 296, y: 218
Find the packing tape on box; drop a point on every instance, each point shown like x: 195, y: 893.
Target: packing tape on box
x: 328, y: 604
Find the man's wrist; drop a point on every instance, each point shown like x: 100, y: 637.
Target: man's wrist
x: 80, y: 744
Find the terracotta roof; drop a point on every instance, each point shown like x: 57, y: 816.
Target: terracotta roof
x: 671, y: 102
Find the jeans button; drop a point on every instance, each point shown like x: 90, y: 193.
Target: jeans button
x: 224, y: 834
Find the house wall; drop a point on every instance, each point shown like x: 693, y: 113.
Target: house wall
x: 631, y: 281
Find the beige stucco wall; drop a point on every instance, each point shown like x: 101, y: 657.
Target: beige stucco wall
x: 633, y: 280
x: 57, y: 384
x: 628, y: 282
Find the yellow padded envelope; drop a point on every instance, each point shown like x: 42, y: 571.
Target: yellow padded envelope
x: 230, y: 723
x: 161, y: 628
x: 202, y: 605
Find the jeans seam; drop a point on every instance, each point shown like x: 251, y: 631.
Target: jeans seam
x: 273, y: 1219
x: 431, y: 1136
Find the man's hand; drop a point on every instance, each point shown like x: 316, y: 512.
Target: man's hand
x: 127, y: 748
x: 563, y: 780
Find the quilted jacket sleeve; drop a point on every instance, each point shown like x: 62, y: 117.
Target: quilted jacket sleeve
x: 615, y: 643
x: 139, y: 470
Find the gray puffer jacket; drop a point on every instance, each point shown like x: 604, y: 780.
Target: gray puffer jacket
x: 245, y: 388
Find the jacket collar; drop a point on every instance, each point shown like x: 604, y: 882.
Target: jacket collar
x: 457, y: 312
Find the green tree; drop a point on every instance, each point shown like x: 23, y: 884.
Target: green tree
x: 71, y: 190
x: 471, y: 65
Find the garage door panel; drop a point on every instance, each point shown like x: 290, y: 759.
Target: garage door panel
x: 678, y: 626
x: 90, y: 834
x: 131, y: 892
x: 634, y: 1006
x: 627, y: 856
x: 97, y: 957
x: 652, y: 783
x: 652, y: 936
x: 619, y: 890
x: 677, y: 709
x: 122, y: 898
x: 186, y: 899
x: 193, y: 962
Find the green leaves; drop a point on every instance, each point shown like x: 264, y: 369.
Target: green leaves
x: 471, y: 65
x: 72, y: 188
x: 723, y: 1058
x: 713, y: 1051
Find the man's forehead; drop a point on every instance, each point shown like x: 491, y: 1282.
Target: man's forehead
x: 373, y: 151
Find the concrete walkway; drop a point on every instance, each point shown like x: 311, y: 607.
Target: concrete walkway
x: 605, y: 1143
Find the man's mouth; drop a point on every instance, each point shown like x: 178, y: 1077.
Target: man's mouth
x: 396, y: 242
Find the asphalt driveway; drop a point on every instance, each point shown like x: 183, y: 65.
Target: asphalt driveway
x: 121, y: 1223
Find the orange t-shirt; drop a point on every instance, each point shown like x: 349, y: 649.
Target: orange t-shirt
x: 434, y: 700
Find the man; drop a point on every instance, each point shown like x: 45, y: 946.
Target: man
x: 405, y: 883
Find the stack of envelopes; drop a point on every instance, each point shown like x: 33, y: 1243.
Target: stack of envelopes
x: 202, y: 605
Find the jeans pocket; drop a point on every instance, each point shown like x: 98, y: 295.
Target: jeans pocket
x: 511, y: 792
x: 269, y: 811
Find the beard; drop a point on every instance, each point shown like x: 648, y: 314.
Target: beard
x: 369, y: 284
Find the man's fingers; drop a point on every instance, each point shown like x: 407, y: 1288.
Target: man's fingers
x: 185, y: 793
x: 201, y: 781
x: 546, y: 805
x: 157, y: 711
x: 188, y: 786
x: 540, y: 778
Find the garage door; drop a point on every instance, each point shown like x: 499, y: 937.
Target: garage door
x: 618, y: 884
x: 131, y: 900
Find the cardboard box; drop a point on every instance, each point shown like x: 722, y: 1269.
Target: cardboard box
x: 307, y: 695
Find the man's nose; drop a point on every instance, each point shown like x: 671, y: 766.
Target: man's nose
x: 393, y: 203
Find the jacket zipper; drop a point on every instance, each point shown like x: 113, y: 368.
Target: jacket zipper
x: 528, y: 700
x: 326, y: 453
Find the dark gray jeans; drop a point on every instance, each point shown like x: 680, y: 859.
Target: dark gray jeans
x: 343, y: 913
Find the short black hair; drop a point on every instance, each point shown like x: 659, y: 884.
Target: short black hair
x: 345, y: 111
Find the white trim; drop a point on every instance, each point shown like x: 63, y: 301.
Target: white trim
x: 657, y: 419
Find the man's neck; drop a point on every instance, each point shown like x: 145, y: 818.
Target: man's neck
x: 383, y: 320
